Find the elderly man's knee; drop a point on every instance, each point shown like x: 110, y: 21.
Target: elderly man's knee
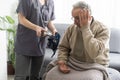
x: 95, y: 75
x: 95, y: 78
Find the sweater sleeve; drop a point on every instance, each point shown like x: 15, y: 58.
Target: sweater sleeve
x: 64, y: 47
x: 96, y: 44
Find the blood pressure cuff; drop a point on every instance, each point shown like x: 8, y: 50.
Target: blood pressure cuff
x: 53, y: 42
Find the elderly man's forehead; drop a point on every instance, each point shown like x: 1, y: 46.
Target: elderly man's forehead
x: 75, y: 11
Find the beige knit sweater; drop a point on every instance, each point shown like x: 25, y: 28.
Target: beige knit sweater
x: 89, y: 44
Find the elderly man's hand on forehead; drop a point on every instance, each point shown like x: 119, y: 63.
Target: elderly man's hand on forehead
x: 83, y: 15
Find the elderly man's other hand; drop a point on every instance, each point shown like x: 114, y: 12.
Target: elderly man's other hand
x: 63, y: 67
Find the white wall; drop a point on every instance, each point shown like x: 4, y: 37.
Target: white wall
x: 6, y: 8
x: 106, y: 11
x: 3, y: 56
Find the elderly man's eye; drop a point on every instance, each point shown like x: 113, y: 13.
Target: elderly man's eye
x: 75, y: 18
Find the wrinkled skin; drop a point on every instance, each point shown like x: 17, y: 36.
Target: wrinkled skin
x: 81, y: 17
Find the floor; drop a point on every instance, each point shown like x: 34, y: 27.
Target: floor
x: 10, y: 77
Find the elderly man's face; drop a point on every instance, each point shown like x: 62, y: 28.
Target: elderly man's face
x: 75, y: 15
x: 78, y: 15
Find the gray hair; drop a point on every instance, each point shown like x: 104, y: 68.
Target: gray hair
x: 82, y: 5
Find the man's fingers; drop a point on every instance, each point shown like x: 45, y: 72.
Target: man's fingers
x: 83, y: 16
x: 64, y: 69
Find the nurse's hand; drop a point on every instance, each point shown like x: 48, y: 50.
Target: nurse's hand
x: 40, y: 31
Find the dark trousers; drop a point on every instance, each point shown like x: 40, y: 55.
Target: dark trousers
x: 28, y: 67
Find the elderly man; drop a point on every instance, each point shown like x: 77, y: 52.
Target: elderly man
x: 83, y: 52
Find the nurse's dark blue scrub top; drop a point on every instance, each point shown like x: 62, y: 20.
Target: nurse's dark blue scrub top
x: 27, y: 42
